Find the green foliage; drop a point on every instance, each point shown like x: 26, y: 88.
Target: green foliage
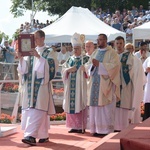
x: 7, y: 121
x: 119, y: 4
x: 20, y: 6
x: 15, y: 35
x: 51, y: 6
x: 2, y: 34
x: 4, y: 118
x: 59, y: 116
x: 59, y: 7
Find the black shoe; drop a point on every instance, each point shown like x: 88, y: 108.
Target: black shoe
x: 96, y: 134
x: 99, y: 135
x: 117, y: 130
x: 80, y: 131
x: 73, y: 131
x: 29, y: 140
x: 43, y: 140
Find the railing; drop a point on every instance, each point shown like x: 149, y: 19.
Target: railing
x: 6, y: 77
x: 9, y: 75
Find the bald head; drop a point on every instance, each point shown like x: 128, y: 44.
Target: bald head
x: 129, y: 47
x: 89, y: 47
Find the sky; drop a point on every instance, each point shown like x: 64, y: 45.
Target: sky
x: 9, y: 24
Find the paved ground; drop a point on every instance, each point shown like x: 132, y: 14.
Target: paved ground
x: 60, y: 139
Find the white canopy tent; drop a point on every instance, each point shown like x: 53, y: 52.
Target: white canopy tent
x: 141, y: 32
x: 80, y: 20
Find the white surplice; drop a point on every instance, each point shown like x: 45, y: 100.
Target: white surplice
x: 78, y: 119
x: 38, y: 117
x: 131, y: 95
x: 102, y: 117
x: 146, y: 99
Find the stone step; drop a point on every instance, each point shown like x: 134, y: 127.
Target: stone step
x: 7, y: 130
x: 112, y: 141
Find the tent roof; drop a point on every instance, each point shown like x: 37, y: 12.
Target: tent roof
x: 143, y: 26
x: 80, y: 20
x: 142, y: 31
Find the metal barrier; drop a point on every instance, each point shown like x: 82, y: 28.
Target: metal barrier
x: 8, y: 74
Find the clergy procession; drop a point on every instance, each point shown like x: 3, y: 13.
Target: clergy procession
x: 103, y: 87
x: 105, y: 77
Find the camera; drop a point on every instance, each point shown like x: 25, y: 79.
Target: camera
x: 4, y: 49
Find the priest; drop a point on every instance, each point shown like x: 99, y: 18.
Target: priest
x: 104, y: 89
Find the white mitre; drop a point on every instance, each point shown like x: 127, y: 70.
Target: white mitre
x: 77, y: 39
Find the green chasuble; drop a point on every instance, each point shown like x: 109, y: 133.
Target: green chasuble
x: 74, y: 61
x: 37, y: 82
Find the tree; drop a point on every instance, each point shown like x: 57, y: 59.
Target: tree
x: 3, y: 35
x: 51, y: 6
x: 16, y: 34
x: 119, y: 4
x: 59, y: 7
x: 20, y: 6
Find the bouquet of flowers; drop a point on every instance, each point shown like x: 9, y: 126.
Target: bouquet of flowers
x: 10, y: 87
x: 59, y: 116
x: 59, y: 92
x: 4, y: 118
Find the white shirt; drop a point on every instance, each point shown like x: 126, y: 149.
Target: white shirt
x: 62, y: 56
x: 147, y: 85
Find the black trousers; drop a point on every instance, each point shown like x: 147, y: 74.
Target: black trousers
x: 146, y: 111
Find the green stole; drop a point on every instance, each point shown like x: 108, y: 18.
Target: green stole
x: 125, y: 71
x: 125, y: 67
x: 37, y: 82
x: 74, y: 62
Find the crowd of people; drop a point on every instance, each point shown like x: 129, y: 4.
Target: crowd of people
x: 7, y: 57
x: 124, y: 20
x: 33, y: 26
